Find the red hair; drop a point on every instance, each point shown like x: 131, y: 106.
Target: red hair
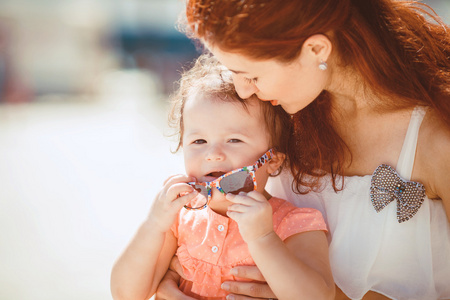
x: 396, y: 50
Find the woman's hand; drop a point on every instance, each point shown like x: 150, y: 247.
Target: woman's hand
x: 247, y: 290
x: 168, y: 288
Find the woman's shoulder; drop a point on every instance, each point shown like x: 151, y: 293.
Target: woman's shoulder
x: 432, y: 164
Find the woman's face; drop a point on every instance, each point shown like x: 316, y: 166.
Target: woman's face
x: 292, y: 85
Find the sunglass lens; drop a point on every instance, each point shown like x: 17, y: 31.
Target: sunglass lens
x: 237, y: 182
x: 201, y: 200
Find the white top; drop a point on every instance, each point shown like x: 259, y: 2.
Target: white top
x: 373, y: 251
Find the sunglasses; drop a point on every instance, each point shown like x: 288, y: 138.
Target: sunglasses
x: 234, y: 182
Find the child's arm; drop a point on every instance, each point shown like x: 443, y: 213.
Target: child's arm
x: 296, y: 268
x: 137, y: 272
x: 140, y: 268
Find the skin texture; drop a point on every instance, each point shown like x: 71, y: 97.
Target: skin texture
x: 220, y: 137
x: 281, y: 82
x: 230, y: 145
x: 357, y: 117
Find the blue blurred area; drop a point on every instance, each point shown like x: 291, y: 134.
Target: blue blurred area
x: 166, y: 54
x: 66, y: 47
x: 83, y: 136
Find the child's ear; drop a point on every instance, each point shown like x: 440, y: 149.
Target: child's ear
x: 276, y: 161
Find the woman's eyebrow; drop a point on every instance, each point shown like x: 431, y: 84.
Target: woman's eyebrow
x: 237, y: 72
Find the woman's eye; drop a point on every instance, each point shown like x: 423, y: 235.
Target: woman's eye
x: 251, y: 80
x: 199, y: 141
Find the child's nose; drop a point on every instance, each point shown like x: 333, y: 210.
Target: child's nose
x: 215, y: 154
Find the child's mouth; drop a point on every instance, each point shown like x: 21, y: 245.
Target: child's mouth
x: 216, y: 174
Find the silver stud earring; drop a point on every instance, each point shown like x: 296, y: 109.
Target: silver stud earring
x: 323, y: 65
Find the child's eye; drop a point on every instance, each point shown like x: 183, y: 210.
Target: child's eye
x: 199, y: 142
x: 251, y: 80
x: 234, y: 141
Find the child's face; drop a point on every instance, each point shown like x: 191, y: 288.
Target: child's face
x: 222, y: 136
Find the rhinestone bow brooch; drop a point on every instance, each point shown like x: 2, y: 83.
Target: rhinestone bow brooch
x: 387, y: 185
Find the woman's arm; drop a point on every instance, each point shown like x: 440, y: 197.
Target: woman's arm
x: 432, y: 164
x: 441, y: 182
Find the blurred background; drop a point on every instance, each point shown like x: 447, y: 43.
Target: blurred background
x: 84, y: 144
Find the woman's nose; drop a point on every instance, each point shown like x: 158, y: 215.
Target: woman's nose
x: 244, y: 88
x: 215, y: 154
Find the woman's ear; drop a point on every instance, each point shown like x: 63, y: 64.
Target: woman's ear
x: 276, y: 161
x: 318, y: 46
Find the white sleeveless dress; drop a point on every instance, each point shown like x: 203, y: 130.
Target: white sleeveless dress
x: 372, y: 251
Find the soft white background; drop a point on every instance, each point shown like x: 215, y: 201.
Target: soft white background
x: 76, y: 179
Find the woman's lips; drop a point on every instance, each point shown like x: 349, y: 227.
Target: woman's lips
x: 273, y: 102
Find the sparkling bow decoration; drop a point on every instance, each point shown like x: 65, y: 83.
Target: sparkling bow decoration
x: 387, y: 185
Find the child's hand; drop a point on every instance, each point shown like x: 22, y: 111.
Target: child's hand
x: 253, y: 214
x: 172, y: 197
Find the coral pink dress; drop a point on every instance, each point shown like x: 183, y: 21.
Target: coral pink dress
x: 210, y: 245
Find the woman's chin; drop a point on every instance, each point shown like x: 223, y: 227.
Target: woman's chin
x: 290, y: 110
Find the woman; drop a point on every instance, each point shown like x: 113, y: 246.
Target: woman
x: 368, y: 86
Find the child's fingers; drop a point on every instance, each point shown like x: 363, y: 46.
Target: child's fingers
x: 238, y: 215
x: 178, y: 189
x: 169, y: 178
x: 181, y: 193
x: 178, y: 178
x: 246, y: 198
x: 240, y: 198
x: 257, y: 196
x: 184, y: 198
x: 175, y: 186
x: 233, y: 215
x: 237, y: 207
x: 248, y: 272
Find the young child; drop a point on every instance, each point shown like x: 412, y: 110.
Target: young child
x: 219, y: 216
